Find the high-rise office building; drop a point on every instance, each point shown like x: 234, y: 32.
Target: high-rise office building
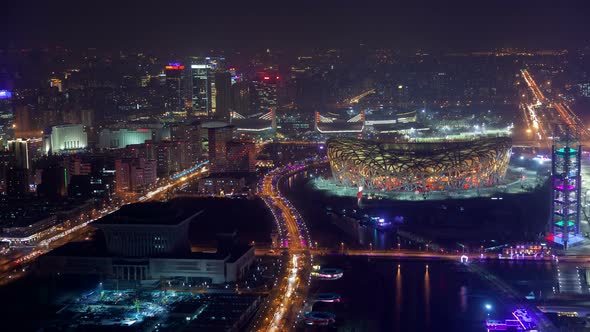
x: 20, y: 150
x: 223, y: 89
x: 191, y: 133
x: 240, y: 99
x: 174, y: 79
x: 264, y: 96
x: 23, y: 122
x: 122, y: 175
x: 201, y: 89
x: 6, y: 115
x: 219, y: 134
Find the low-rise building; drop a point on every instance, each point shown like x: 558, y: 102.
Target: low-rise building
x: 148, y: 242
x: 65, y: 138
x: 28, y: 230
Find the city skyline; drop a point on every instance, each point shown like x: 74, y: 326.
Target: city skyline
x: 301, y: 166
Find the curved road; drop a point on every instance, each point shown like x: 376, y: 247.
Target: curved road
x: 286, y: 300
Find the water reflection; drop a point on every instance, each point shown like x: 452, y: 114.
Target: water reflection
x: 398, y: 296
x: 463, y: 298
x: 427, y: 296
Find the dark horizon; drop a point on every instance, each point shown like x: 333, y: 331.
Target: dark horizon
x: 187, y: 27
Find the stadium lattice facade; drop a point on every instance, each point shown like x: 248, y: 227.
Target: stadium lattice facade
x: 439, y: 166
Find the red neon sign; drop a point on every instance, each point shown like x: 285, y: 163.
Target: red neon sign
x: 174, y: 67
x: 266, y: 77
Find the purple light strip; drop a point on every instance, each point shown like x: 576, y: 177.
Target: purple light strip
x: 518, y: 319
x: 561, y: 187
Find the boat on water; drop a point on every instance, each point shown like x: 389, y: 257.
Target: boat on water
x: 327, y: 273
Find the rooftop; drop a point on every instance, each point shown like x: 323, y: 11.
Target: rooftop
x: 172, y: 212
x: 214, y: 124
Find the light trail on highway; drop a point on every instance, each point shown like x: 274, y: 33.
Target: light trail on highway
x: 356, y: 99
x: 546, y: 112
x: 536, y: 117
x: 287, y: 298
x: 533, y: 86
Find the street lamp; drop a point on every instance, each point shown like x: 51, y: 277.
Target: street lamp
x: 398, y: 246
x: 488, y: 308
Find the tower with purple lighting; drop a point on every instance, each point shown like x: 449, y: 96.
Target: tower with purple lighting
x: 566, y: 182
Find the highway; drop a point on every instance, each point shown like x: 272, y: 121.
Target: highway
x: 533, y: 86
x: 538, y: 119
x: 286, y: 300
x: 357, y: 99
x: 541, y: 115
x: 13, y: 265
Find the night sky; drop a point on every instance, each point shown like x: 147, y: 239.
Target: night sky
x: 186, y: 26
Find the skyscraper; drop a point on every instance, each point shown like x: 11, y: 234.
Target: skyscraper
x: 223, y: 89
x: 219, y: 134
x: 23, y: 122
x: 20, y: 150
x: 201, y: 89
x: 174, y: 78
x: 6, y: 115
x: 264, y: 97
x: 240, y: 102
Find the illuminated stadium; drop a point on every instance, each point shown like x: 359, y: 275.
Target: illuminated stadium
x: 422, y: 167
